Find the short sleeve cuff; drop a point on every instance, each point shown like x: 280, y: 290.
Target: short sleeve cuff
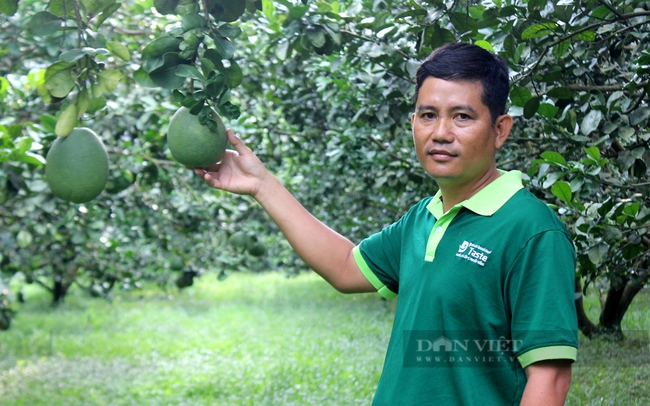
x: 382, y: 289
x: 548, y: 353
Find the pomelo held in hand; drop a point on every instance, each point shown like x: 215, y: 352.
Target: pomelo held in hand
x: 193, y: 144
x: 77, y: 166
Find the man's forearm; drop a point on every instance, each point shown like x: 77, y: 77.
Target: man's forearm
x: 324, y: 250
x: 548, y: 383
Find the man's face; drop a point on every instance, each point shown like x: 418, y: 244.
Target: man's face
x: 454, y: 138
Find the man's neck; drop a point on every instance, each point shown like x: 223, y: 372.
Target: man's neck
x: 452, y: 194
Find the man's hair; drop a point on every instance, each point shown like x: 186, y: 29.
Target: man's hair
x: 458, y: 61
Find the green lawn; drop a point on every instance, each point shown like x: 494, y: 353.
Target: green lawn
x: 249, y: 340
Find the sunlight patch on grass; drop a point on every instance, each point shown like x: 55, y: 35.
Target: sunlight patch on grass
x: 249, y: 340
x: 253, y: 339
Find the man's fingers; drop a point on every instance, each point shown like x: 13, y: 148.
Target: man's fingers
x: 237, y: 143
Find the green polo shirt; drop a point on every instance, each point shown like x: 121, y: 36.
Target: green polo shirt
x: 485, y: 290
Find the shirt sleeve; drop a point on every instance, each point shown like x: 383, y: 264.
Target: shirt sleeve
x: 540, y: 298
x: 378, y: 257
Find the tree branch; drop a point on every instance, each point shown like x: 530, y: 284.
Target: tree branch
x: 580, y: 31
x: 126, y: 31
x: 602, y: 88
x: 363, y: 37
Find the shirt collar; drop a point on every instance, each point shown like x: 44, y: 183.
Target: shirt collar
x: 488, y: 200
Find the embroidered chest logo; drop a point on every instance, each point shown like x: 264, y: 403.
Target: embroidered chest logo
x: 473, y: 252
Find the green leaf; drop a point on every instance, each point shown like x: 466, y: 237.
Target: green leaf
x: 417, y: 12
x: 587, y: 36
x: 639, y: 115
x: 30, y: 158
x: 600, y: 12
x: 96, y: 104
x: 63, y: 8
x: 82, y: 102
x: 224, y: 47
x: 612, y: 235
x: 106, y: 13
x: 519, y: 96
x: 560, y: 93
x: 95, y: 6
x: 8, y: 7
x: 233, y: 74
x: 591, y: 121
x: 48, y: 122
x: 58, y: 79
x: 570, y: 120
x: 531, y: 107
x: 553, y: 158
x: 193, y: 21
x: 625, y: 132
x: 43, y: 24
x: 548, y: 110
x: 118, y: 49
x: 24, y: 238
x: 562, y: 190
x: 153, y: 53
x: 108, y: 80
x: 560, y: 49
x: 72, y: 55
x: 66, y: 121
x: 227, y: 10
x: 464, y: 23
x: 509, y: 45
x: 597, y: 253
x: 538, y: 30
x: 165, y: 76
x: 316, y: 35
x: 631, y: 209
x: 593, y: 152
x: 551, y: 178
x: 188, y: 71
x: 485, y: 45
x: 165, y: 6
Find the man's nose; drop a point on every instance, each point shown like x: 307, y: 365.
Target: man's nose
x: 442, y: 130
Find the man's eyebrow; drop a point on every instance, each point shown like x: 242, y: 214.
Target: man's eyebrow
x: 465, y: 107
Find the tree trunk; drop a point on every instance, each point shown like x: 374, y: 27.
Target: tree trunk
x: 610, y: 317
x: 584, y: 324
x: 62, y: 283
x: 616, y: 303
x: 58, y: 292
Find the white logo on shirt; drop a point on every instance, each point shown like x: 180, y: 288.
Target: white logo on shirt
x: 473, y: 252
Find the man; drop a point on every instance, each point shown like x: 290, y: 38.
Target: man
x: 483, y: 269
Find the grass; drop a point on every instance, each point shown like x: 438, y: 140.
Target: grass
x: 249, y: 340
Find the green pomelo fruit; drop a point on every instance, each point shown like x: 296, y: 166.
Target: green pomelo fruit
x: 177, y: 263
x: 77, y: 166
x: 257, y: 249
x: 193, y: 144
x: 238, y: 239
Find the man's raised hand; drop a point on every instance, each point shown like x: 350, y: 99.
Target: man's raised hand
x: 240, y: 171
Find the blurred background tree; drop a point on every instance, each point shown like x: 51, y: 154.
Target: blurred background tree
x: 322, y: 91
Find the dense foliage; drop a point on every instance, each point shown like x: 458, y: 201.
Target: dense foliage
x: 323, y: 93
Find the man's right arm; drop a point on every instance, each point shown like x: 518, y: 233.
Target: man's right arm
x: 324, y: 250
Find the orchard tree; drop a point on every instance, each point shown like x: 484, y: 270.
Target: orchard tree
x: 75, y: 62
x: 323, y: 91
x: 341, y: 75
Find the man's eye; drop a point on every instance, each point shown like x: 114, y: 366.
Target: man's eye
x: 463, y: 116
x: 429, y: 116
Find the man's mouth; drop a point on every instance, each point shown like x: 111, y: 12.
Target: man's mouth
x: 441, y: 153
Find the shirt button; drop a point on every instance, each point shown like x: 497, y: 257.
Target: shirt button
x: 439, y: 229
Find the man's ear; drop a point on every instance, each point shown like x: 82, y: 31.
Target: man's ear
x: 502, y: 127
